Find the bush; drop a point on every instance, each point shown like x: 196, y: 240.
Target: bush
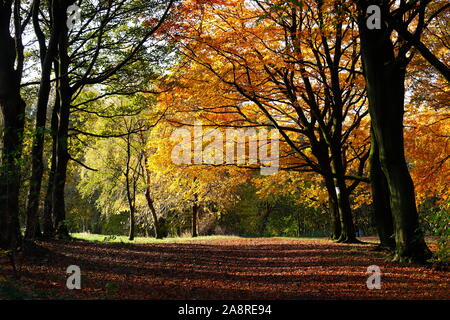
x: 437, y: 222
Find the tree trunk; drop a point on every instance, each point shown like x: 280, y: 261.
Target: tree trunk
x: 58, y: 198
x: 385, y: 76
x: 337, y: 160
x: 132, y: 225
x: 342, y: 228
x: 13, y: 108
x: 38, y: 229
x: 131, y: 194
x: 37, y: 165
x: 48, y: 223
x: 334, y: 218
x: 158, y: 233
x: 62, y: 154
x: 265, y: 218
x: 380, y: 198
x: 345, y: 215
x: 153, y: 211
x: 195, y: 219
x: 299, y: 225
x: 13, y: 111
x: 345, y: 212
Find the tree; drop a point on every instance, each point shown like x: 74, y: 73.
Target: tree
x: 13, y: 113
x: 92, y: 57
x: 385, y: 62
x: 189, y: 188
x: 48, y: 52
x: 281, y: 69
x: 118, y: 172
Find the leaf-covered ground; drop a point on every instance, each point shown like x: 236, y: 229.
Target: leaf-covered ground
x: 229, y: 268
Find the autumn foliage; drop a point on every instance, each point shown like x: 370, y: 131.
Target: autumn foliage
x: 125, y: 129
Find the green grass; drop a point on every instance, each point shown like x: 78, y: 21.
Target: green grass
x: 124, y: 239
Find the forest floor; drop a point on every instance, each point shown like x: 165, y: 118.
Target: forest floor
x: 218, y: 268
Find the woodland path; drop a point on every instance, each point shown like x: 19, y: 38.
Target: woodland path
x: 232, y: 268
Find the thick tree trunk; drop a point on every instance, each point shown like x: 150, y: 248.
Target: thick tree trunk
x: 380, y: 199
x: 333, y: 209
x: 37, y: 165
x: 339, y: 203
x: 13, y: 108
x: 38, y: 229
x: 343, y: 197
x: 58, y: 197
x: 48, y: 221
x: 337, y: 160
x: 62, y: 154
x: 345, y: 214
x: 385, y: 76
x: 13, y: 111
x: 335, y: 223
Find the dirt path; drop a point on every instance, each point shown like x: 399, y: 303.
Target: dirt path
x: 227, y: 269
